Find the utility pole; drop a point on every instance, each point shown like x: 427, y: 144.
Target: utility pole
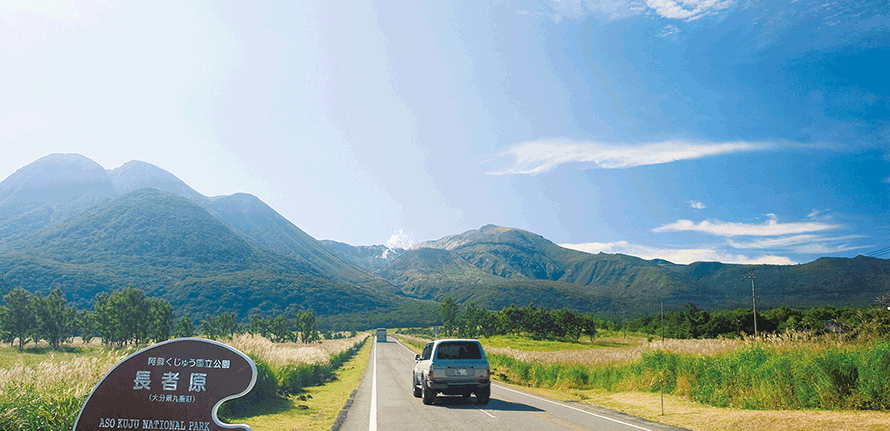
x: 753, y: 299
x: 661, y: 383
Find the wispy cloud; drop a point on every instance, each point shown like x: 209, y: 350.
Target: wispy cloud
x: 603, y: 9
x: 539, y: 157
x: 688, y: 10
x: 681, y: 256
x: 696, y: 204
x: 669, y: 30
x: 610, y: 10
x: 729, y: 229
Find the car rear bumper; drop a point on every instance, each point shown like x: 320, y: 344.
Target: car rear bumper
x: 456, y: 388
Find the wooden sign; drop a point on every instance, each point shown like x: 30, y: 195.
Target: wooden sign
x: 174, y: 385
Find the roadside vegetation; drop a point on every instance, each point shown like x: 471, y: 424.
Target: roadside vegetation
x: 46, y: 372
x: 821, y: 358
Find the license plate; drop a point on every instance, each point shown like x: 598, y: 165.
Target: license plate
x: 460, y: 372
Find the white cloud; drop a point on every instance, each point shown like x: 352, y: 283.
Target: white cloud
x: 804, y: 244
x: 696, y: 204
x: 681, y: 256
x: 399, y: 240
x: 538, y: 157
x: 769, y: 228
x: 687, y: 9
x: 669, y: 30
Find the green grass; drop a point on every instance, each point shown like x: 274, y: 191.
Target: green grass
x: 757, y: 377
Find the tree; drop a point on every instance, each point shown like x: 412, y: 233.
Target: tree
x: 588, y: 326
x: 128, y: 315
x: 4, y: 313
x: 280, y: 328
x: 514, y: 319
x: 161, y: 320
x: 21, y: 319
x: 449, y: 310
x: 490, y: 325
x: 86, y: 323
x: 226, y: 324
x: 209, y: 327
x: 568, y: 322
x: 184, y: 327
x: 55, y: 321
x: 132, y: 314
x: 471, y: 319
x: 259, y: 325
x: 307, y: 326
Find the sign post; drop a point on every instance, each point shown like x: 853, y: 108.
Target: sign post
x: 173, y: 385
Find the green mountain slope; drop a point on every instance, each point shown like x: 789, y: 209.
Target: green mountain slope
x: 617, y: 281
x: 173, y: 248
x: 253, y: 220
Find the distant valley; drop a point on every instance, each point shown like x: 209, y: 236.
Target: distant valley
x: 67, y: 222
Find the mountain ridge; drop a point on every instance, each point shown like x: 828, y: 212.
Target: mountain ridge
x: 141, y: 225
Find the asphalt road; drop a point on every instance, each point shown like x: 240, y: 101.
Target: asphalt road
x: 384, y: 402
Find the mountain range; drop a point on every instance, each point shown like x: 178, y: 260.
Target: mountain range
x: 67, y: 222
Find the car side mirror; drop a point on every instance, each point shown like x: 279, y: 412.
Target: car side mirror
x: 416, y: 358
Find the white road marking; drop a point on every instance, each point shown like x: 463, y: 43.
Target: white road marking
x: 483, y: 411
x: 372, y: 423
x: 573, y: 408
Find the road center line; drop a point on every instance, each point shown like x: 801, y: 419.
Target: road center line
x: 372, y: 423
x: 573, y: 408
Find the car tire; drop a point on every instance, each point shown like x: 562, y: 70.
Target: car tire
x: 427, y: 394
x: 417, y: 391
x: 483, y: 395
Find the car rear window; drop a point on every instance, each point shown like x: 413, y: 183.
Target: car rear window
x: 459, y: 350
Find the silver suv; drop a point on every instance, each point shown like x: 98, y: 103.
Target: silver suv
x: 452, y: 367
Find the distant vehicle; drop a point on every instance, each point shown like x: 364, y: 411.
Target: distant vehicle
x: 452, y: 367
x: 381, y: 335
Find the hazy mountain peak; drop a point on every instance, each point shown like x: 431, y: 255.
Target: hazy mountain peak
x: 487, y: 233
x: 57, y: 177
x: 136, y: 174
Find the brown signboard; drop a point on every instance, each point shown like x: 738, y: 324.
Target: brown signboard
x: 174, y: 385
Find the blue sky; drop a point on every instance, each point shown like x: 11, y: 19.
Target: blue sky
x: 688, y: 130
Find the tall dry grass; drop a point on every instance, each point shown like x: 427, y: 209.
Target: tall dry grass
x: 287, y: 368
x: 47, y: 394
x: 278, y: 355
x: 795, y: 370
x: 639, y: 346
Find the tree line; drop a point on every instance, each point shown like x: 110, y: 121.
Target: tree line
x: 129, y: 316
x: 692, y: 322
x: 472, y: 321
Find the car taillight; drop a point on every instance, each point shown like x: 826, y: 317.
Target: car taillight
x: 482, y: 373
